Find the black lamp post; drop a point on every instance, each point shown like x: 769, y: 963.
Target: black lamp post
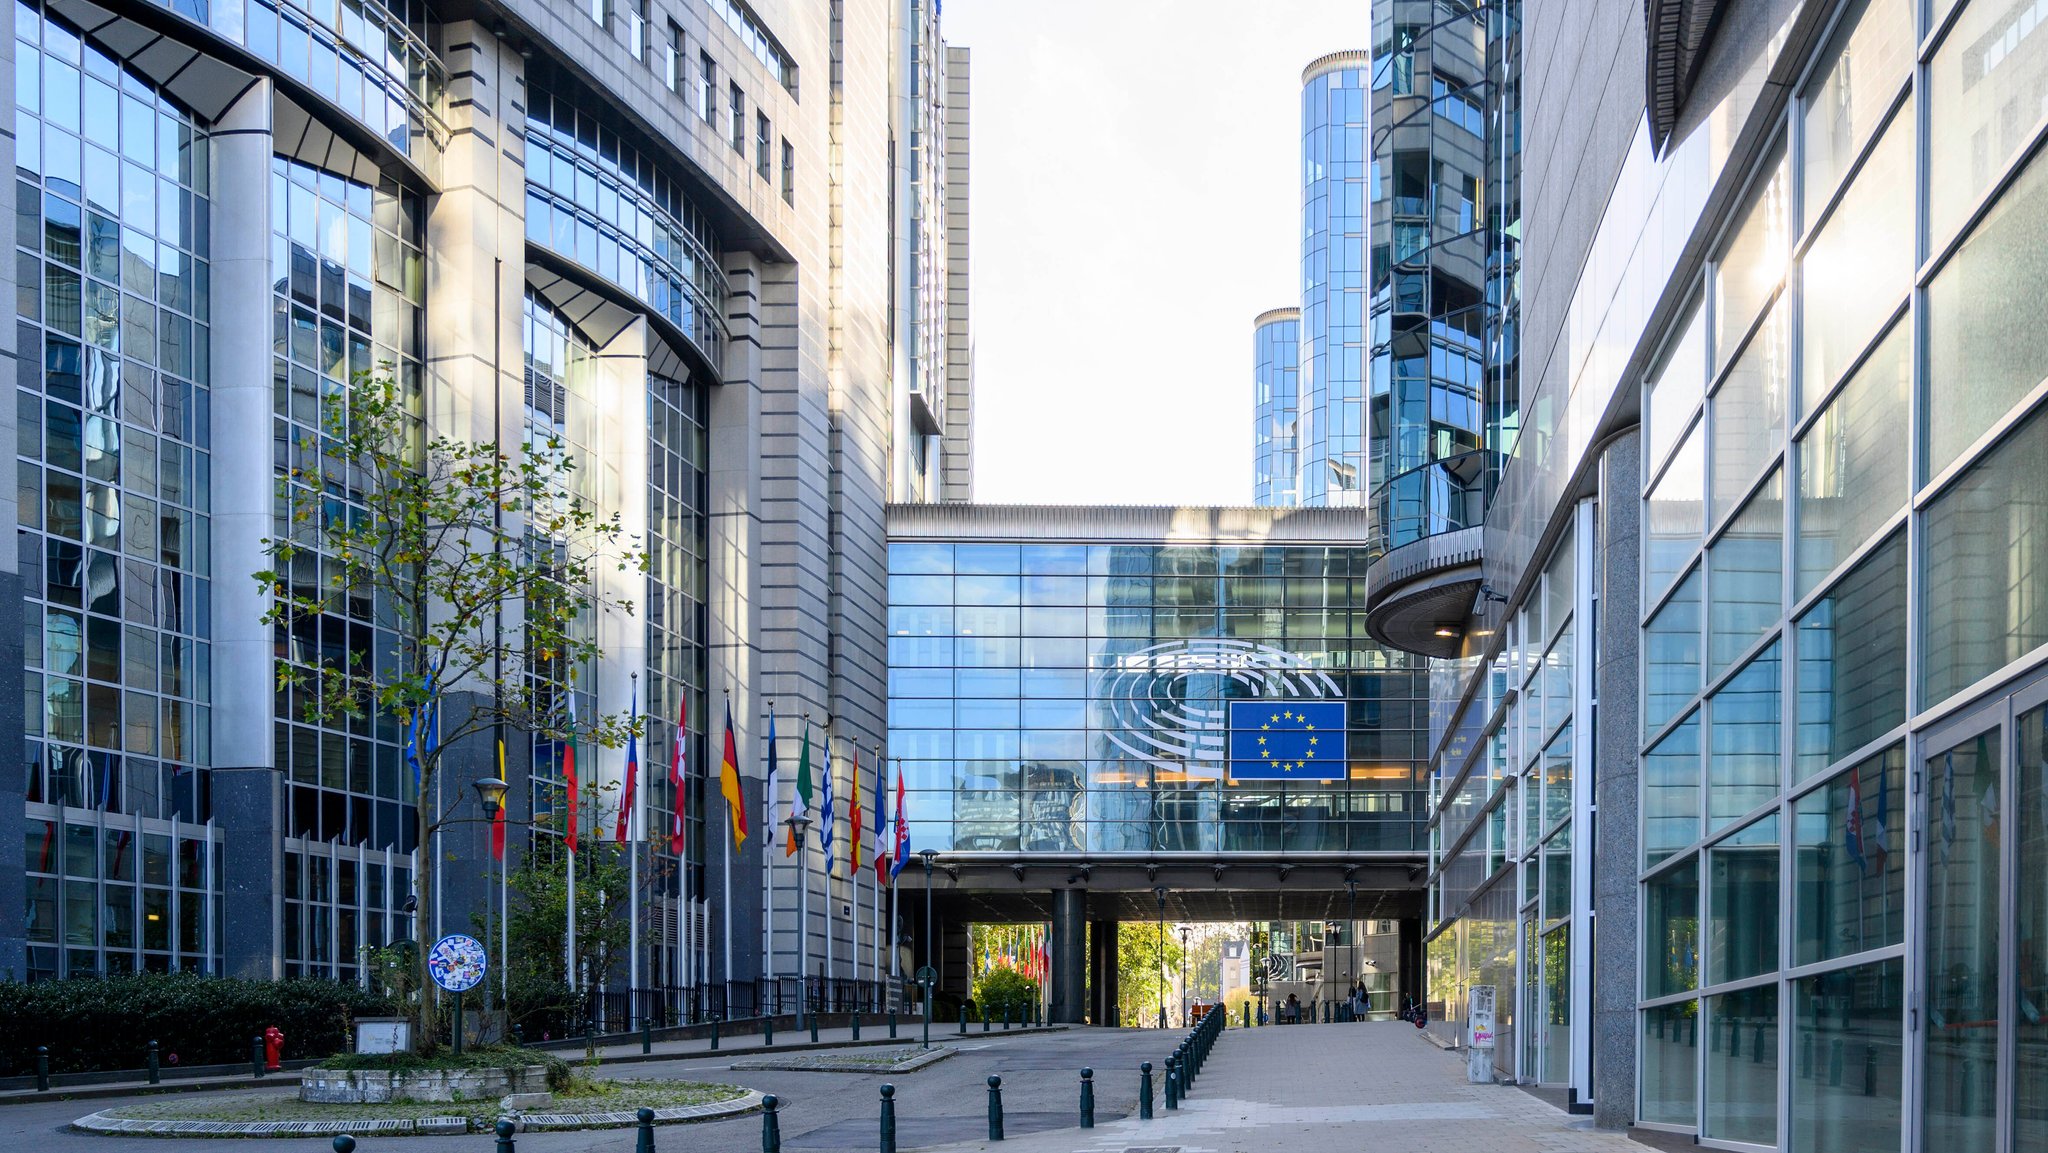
x: 1160, y: 892
x: 929, y: 975
x: 491, y: 792
x: 1183, y: 976
x: 799, y: 824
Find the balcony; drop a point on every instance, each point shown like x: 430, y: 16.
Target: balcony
x: 1418, y: 595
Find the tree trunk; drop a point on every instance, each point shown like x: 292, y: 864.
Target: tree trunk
x: 424, y: 1041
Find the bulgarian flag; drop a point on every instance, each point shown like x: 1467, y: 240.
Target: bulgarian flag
x: 854, y: 805
x: 498, y: 818
x: 632, y: 789
x: 729, y: 782
x: 800, y: 802
x: 676, y: 774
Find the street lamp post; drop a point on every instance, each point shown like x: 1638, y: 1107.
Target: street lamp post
x: 491, y: 792
x: 1184, y: 976
x: 1160, y: 892
x: 799, y: 824
x: 1357, y: 977
x: 927, y: 974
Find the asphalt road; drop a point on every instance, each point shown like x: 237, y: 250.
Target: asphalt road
x: 821, y: 1112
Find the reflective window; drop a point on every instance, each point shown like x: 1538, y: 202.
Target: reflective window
x: 1852, y: 660
x: 1745, y: 569
x: 1676, y: 515
x: 1962, y: 835
x: 1978, y: 361
x: 1987, y: 567
x: 2030, y: 1024
x: 1742, y: 760
x: 1670, y: 1064
x: 1671, y: 792
x: 1850, y: 890
x: 1676, y: 387
x: 1991, y: 66
x: 1748, y: 411
x: 1742, y: 1066
x: 1850, y: 476
x: 1847, y: 1081
x: 1860, y: 74
x: 1856, y: 272
x: 1749, y: 268
x: 1742, y: 902
x: 1671, y: 931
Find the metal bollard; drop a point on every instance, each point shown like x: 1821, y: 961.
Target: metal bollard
x: 256, y: 1056
x: 518, y: 1035
x: 892, y: 1024
x: 963, y: 1018
x: 504, y: 1129
x: 1006, y: 1018
x: 646, y: 1035
x: 888, y: 1119
x: 644, y: 1141
x: 1087, y: 1098
x: 814, y: 1028
x: 714, y: 1034
x: 154, y: 1075
x: 1247, y: 1014
x: 1870, y: 1070
x: 995, y: 1107
x: 1172, y: 1084
x: 771, y: 1126
x: 1756, y: 1043
x: 768, y: 1030
x: 344, y: 1144
x: 1144, y: 1090
x: 42, y: 1068
x: 856, y: 1026
x: 984, y: 1018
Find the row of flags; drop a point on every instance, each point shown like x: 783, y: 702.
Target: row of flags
x: 887, y: 864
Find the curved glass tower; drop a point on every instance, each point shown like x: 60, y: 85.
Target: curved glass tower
x: 1330, y: 419
x: 1276, y: 352
x: 1427, y: 470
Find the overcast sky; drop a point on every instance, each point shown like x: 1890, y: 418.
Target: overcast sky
x: 1136, y: 201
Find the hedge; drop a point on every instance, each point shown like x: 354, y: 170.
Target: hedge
x: 107, y: 1023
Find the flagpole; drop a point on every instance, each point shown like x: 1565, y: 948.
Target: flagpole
x: 825, y: 850
x: 632, y: 818
x: 767, y: 859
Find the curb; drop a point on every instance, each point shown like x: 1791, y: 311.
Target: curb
x: 105, y: 1126
x: 938, y: 1053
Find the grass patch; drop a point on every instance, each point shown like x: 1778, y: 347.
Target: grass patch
x: 584, y: 1095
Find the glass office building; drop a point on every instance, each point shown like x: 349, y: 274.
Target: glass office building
x: 1072, y: 696
x: 1276, y: 351
x: 1335, y: 116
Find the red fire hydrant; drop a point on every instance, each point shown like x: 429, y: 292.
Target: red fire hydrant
x: 273, y: 1047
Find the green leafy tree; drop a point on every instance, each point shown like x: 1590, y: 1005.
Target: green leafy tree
x: 482, y: 565
x: 1143, y: 971
x: 1003, y: 990
x: 540, y: 996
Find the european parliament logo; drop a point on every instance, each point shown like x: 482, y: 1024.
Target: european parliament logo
x: 1287, y: 740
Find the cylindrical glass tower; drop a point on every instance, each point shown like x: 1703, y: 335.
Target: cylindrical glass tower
x: 1330, y: 419
x: 1276, y: 351
x: 1427, y: 471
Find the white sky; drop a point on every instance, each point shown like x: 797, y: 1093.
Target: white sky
x: 1136, y: 202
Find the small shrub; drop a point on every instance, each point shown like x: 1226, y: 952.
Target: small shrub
x: 1003, y: 989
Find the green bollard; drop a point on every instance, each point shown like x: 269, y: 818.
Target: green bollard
x: 888, y: 1119
x: 892, y: 1024
x: 504, y: 1129
x: 963, y: 1018
x: 344, y: 1144
x: 1087, y: 1098
x: 768, y: 1031
x: 771, y: 1128
x: 856, y: 1026
x: 42, y: 1068
x: 814, y: 1028
x: 256, y: 1056
x: 154, y: 1076
x: 1144, y: 1090
x: 1172, y: 1085
x: 714, y: 1034
x: 995, y: 1107
x: 1247, y: 1014
x: 646, y: 1035
x: 984, y: 1018
x: 644, y: 1141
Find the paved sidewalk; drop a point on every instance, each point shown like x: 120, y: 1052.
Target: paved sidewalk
x: 745, y: 1044
x: 1373, y: 1086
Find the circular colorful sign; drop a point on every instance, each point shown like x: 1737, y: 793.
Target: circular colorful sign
x: 457, y: 963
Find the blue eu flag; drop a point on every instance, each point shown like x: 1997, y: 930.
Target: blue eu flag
x: 1287, y: 740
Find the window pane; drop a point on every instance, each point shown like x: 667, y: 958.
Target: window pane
x: 1671, y: 1040
x: 1850, y: 479
x: 1671, y: 655
x: 1847, y: 1088
x: 1746, y: 568
x: 1979, y: 361
x: 1851, y: 886
x: 1748, y: 411
x: 1742, y: 900
x: 1982, y: 80
x: 1671, y: 793
x: 1748, y: 270
x: 1671, y: 931
x: 1861, y: 72
x: 1857, y: 270
x: 1742, y: 1066
x: 1742, y: 762
x: 1675, y: 389
x: 1852, y: 660
x: 1676, y: 514
x: 2030, y: 1024
x: 1986, y: 576
x: 1962, y: 837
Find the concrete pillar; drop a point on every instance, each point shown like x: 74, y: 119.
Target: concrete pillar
x: 248, y: 791
x: 1614, y: 866
x: 1069, y: 956
x: 1102, y: 972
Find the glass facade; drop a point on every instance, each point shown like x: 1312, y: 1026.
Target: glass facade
x: 1073, y: 697
x: 1276, y: 349
x: 1431, y: 272
x: 1331, y: 411
x: 113, y: 467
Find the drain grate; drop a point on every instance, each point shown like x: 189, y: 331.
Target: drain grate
x: 1151, y: 1149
